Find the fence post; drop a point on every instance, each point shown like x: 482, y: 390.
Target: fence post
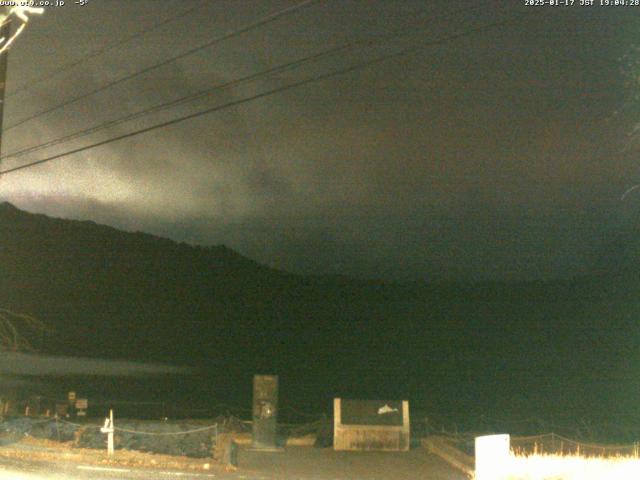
x: 492, y: 457
x: 108, y: 428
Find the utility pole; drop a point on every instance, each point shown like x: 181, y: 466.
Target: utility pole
x: 5, y: 32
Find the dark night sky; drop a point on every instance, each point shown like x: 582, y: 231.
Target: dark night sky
x: 495, y: 155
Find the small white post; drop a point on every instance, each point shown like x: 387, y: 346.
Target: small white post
x: 110, y: 437
x: 108, y: 429
x: 492, y: 457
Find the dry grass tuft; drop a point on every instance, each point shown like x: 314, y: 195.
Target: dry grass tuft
x: 572, y: 467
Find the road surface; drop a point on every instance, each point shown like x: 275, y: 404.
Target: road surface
x: 295, y: 463
x: 13, y: 469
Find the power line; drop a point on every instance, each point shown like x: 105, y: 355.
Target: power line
x: 263, y: 21
x: 314, y: 79
x: 189, y: 98
x: 100, y: 51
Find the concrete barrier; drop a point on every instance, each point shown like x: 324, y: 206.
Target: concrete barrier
x: 443, y: 448
x: 371, y: 425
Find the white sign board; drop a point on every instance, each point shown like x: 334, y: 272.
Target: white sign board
x: 492, y: 457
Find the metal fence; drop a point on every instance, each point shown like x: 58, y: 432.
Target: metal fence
x: 173, y: 438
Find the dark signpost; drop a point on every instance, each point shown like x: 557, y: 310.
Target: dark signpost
x: 265, y: 412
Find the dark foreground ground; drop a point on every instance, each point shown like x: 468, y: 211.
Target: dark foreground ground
x: 306, y: 463
x: 300, y: 463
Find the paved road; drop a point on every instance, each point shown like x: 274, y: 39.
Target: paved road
x: 12, y: 469
x: 306, y: 463
x: 296, y: 463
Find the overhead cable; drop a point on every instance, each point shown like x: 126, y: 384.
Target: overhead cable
x: 252, y: 26
x: 232, y: 83
x: 307, y: 81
